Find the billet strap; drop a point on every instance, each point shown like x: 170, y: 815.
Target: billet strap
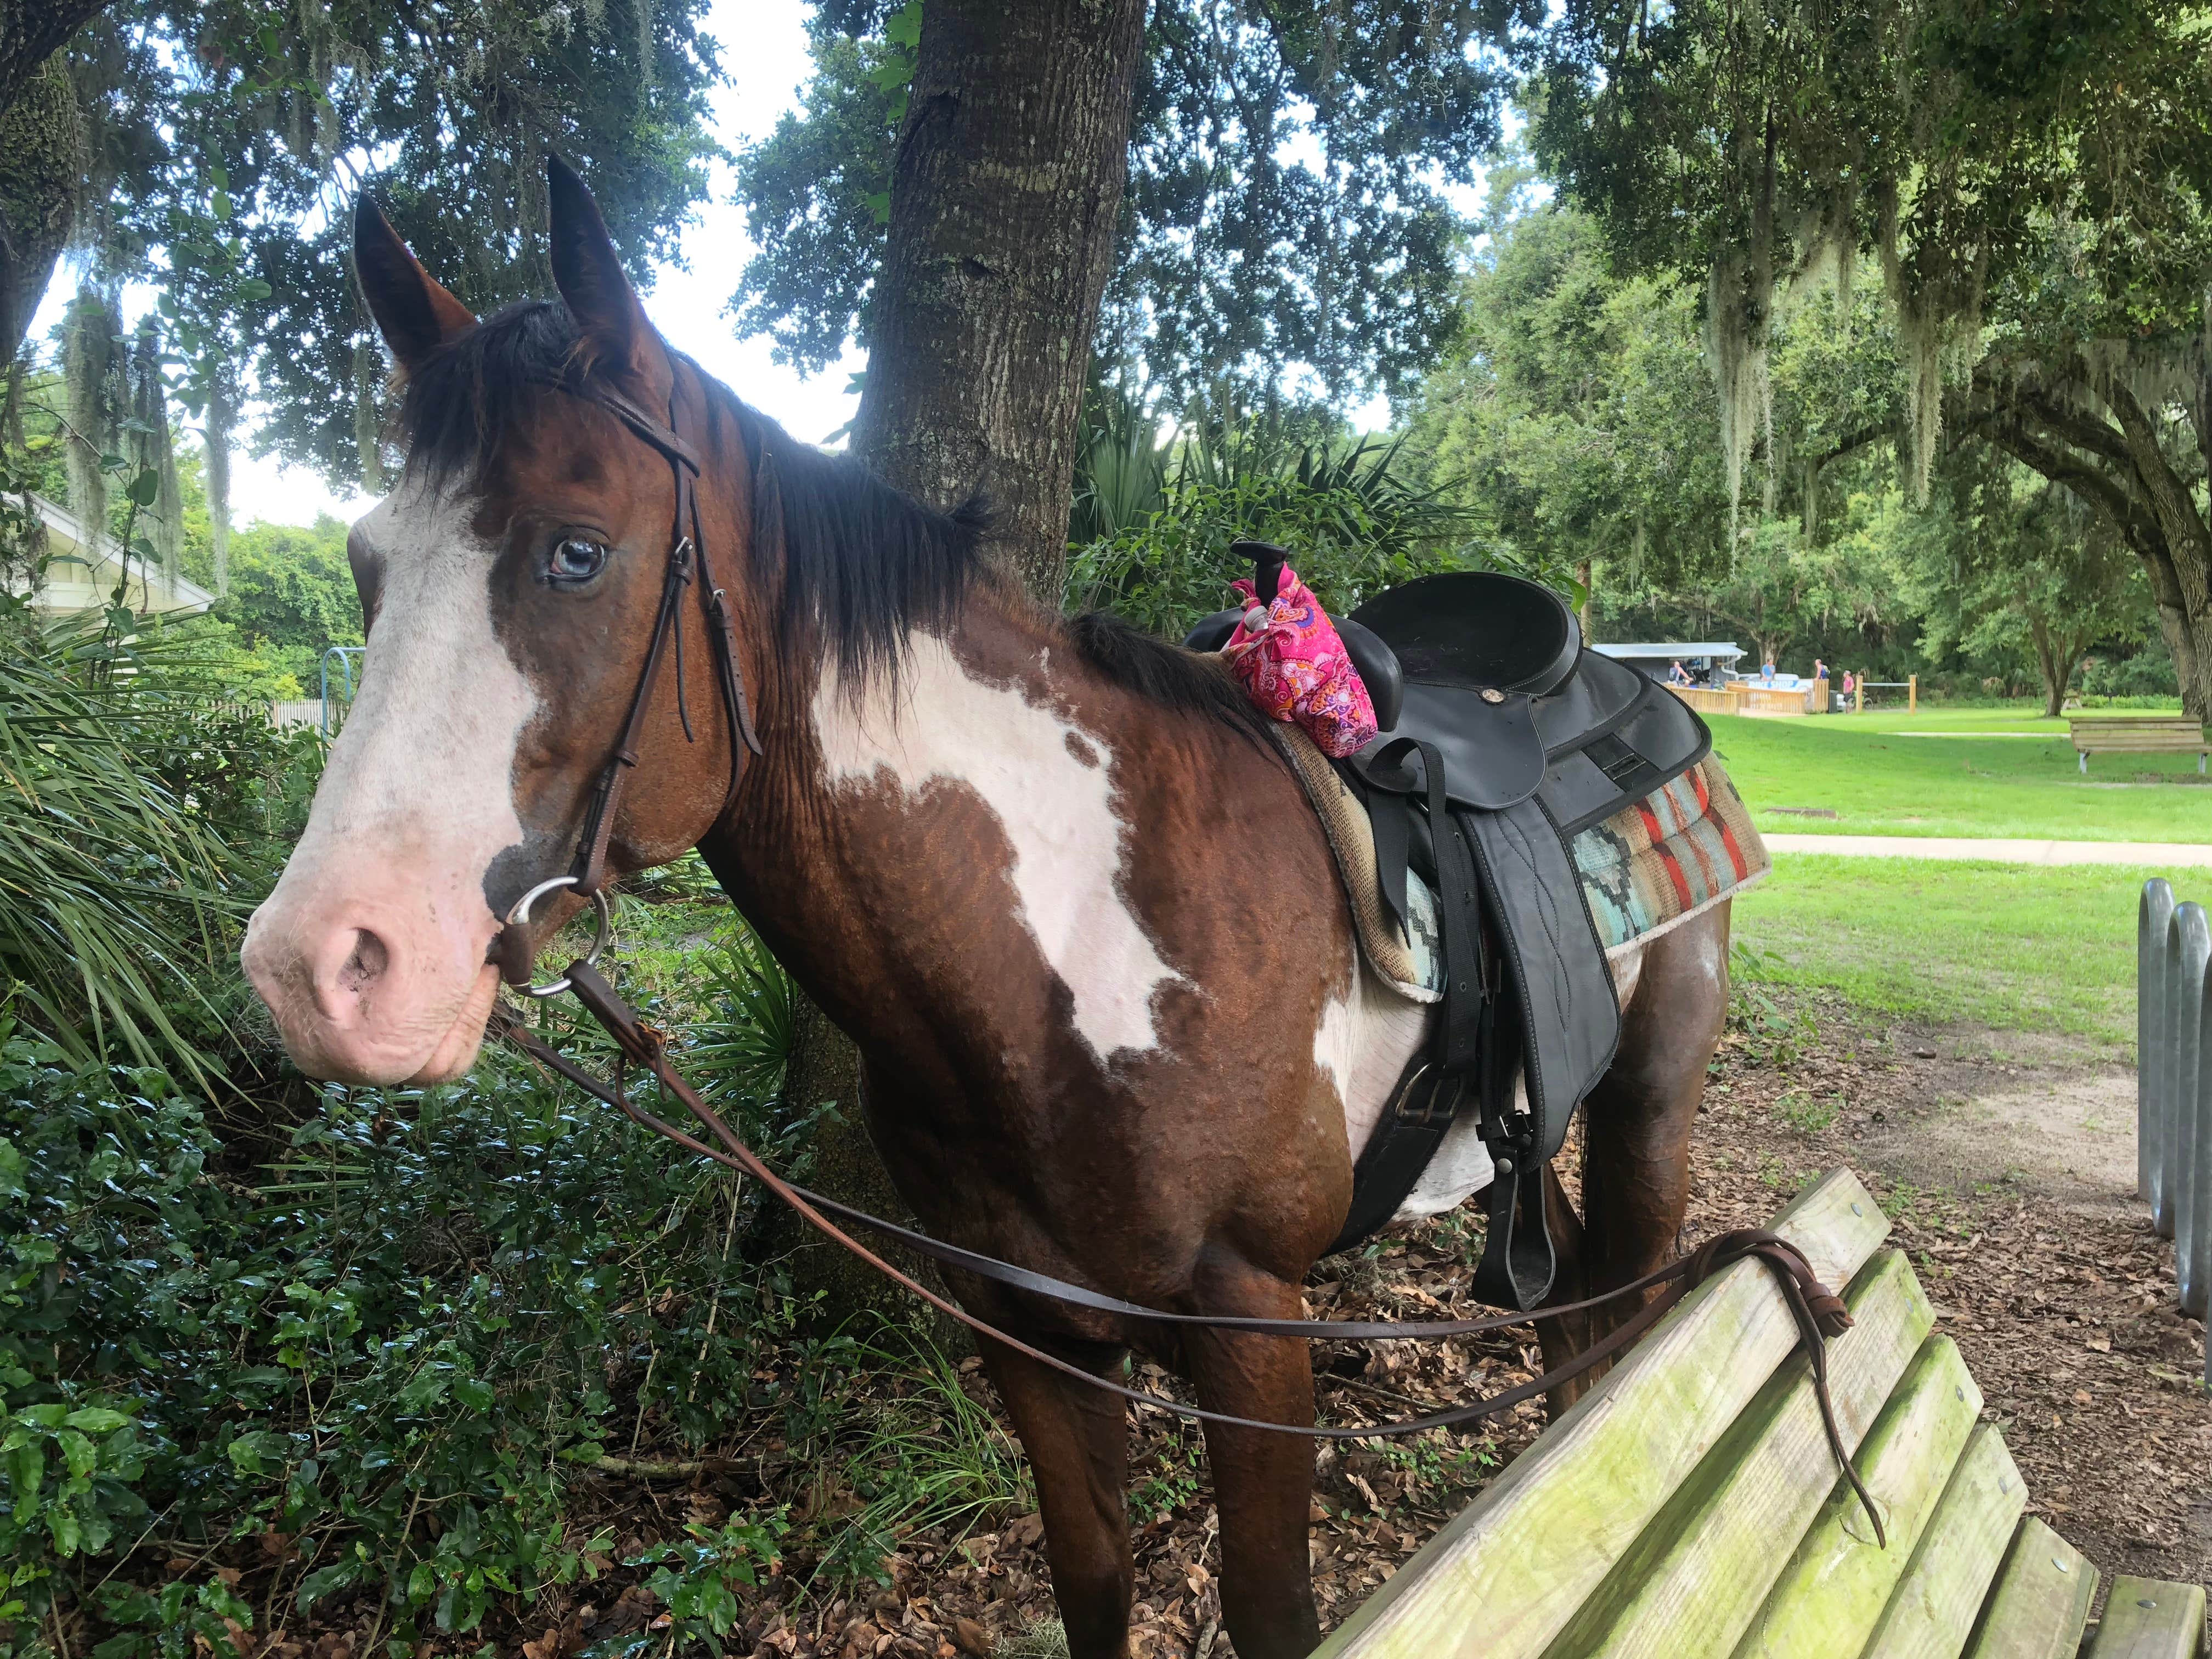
x: 1818, y: 1314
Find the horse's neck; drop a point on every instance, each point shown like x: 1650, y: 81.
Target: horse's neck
x: 947, y: 834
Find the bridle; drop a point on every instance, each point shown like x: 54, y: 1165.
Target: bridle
x: 1817, y: 1312
x: 687, y: 554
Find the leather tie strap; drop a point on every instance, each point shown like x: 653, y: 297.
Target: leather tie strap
x: 1817, y: 1313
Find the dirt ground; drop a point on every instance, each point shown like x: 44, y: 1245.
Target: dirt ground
x: 2008, y: 1166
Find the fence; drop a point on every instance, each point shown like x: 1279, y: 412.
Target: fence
x: 2173, y: 1085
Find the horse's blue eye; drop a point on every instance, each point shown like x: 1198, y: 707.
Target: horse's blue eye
x: 576, y: 560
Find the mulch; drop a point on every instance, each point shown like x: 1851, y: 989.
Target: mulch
x: 2063, y: 1310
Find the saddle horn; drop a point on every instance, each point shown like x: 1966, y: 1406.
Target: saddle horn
x: 1267, y: 562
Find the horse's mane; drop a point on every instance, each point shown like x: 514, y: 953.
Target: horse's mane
x: 866, y: 563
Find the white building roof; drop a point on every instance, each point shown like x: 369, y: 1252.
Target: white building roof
x: 1727, y: 650
x: 82, y: 571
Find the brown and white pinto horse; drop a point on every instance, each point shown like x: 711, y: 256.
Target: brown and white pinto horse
x: 1085, y: 929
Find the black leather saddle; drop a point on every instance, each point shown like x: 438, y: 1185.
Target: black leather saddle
x: 1502, y: 739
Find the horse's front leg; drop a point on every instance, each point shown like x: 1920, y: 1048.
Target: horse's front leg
x: 1077, y: 1439
x: 1262, y: 1481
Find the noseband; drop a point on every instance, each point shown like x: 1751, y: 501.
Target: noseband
x: 687, y: 553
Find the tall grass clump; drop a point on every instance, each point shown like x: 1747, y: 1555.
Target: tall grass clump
x: 1161, y: 517
x: 120, y: 893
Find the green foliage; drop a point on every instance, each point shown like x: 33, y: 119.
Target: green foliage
x: 120, y: 894
x: 1354, y: 520
x: 2009, y: 569
x: 2031, y: 183
x: 1285, y: 207
x: 221, y: 131
x: 382, y: 1352
x: 292, y: 591
x: 1577, y: 408
x: 697, y: 1577
x: 928, y: 1455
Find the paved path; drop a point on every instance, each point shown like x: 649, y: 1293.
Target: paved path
x: 2169, y: 854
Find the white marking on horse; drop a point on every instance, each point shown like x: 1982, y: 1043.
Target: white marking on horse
x: 1369, y: 1034
x: 1363, y: 1040
x: 418, y: 797
x: 1027, y: 764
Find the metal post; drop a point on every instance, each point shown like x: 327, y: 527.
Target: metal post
x: 2194, y: 1266
x: 2153, y: 915
x: 2186, y: 1149
x: 345, y: 654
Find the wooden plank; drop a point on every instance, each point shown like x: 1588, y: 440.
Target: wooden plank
x: 1833, y: 1592
x: 1503, y: 1578
x: 2150, y: 1619
x: 1704, y: 1565
x: 2041, y: 1602
x: 1933, y: 1611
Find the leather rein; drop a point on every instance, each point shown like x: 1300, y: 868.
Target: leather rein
x: 1817, y: 1312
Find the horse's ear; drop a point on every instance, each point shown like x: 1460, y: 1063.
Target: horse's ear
x: 588, y: 272
x: 415, y: 314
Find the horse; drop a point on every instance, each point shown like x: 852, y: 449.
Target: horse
x: 1074, y: 909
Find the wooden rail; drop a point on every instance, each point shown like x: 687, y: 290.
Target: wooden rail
x: 2173, y: 1085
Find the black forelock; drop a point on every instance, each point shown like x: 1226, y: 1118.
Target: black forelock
x: 865, y: 564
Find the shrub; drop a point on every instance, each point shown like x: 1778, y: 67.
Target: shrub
x: 1354, y: 523
x: 379, y: 1356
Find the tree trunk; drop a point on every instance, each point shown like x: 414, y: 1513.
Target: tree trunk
x: 2055, y: 666
x: 42, y: 171
x: 222, y: 418
x: 32, y: 31
x: 1005, y: 195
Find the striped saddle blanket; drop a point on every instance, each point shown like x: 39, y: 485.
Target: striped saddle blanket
x: 1651, y: 866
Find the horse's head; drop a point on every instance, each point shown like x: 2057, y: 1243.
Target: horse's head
x: 510, y: 585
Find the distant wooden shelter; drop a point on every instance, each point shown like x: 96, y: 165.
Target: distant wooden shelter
x: 1717, y: 687
x: 82, y: 570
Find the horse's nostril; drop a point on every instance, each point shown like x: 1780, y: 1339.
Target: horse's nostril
x: 365, y: 965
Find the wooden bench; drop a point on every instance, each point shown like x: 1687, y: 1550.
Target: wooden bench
x: 2118, y: 734
x: 1688, y: 1507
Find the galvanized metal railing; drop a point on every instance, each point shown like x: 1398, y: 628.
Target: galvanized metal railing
x: 2173, y: 1084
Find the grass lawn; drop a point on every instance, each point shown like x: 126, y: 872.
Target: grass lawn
x: 2014, y: 947
x: 1969, y: 777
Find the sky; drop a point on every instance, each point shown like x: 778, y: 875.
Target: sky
x: 765, y: 59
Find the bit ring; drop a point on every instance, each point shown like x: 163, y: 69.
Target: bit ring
x: 518, y: 916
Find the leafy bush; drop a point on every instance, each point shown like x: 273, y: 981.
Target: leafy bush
x: 118, y: 894
x: 2146, y: 674
x: 1354, y: 523
x: 377, y: 1356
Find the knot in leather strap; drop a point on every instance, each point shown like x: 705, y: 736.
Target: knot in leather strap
x: 1819, y: 1315
x: 1799, y: 1285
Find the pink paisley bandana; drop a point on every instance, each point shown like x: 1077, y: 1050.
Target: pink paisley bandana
x: 1293, y: 665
